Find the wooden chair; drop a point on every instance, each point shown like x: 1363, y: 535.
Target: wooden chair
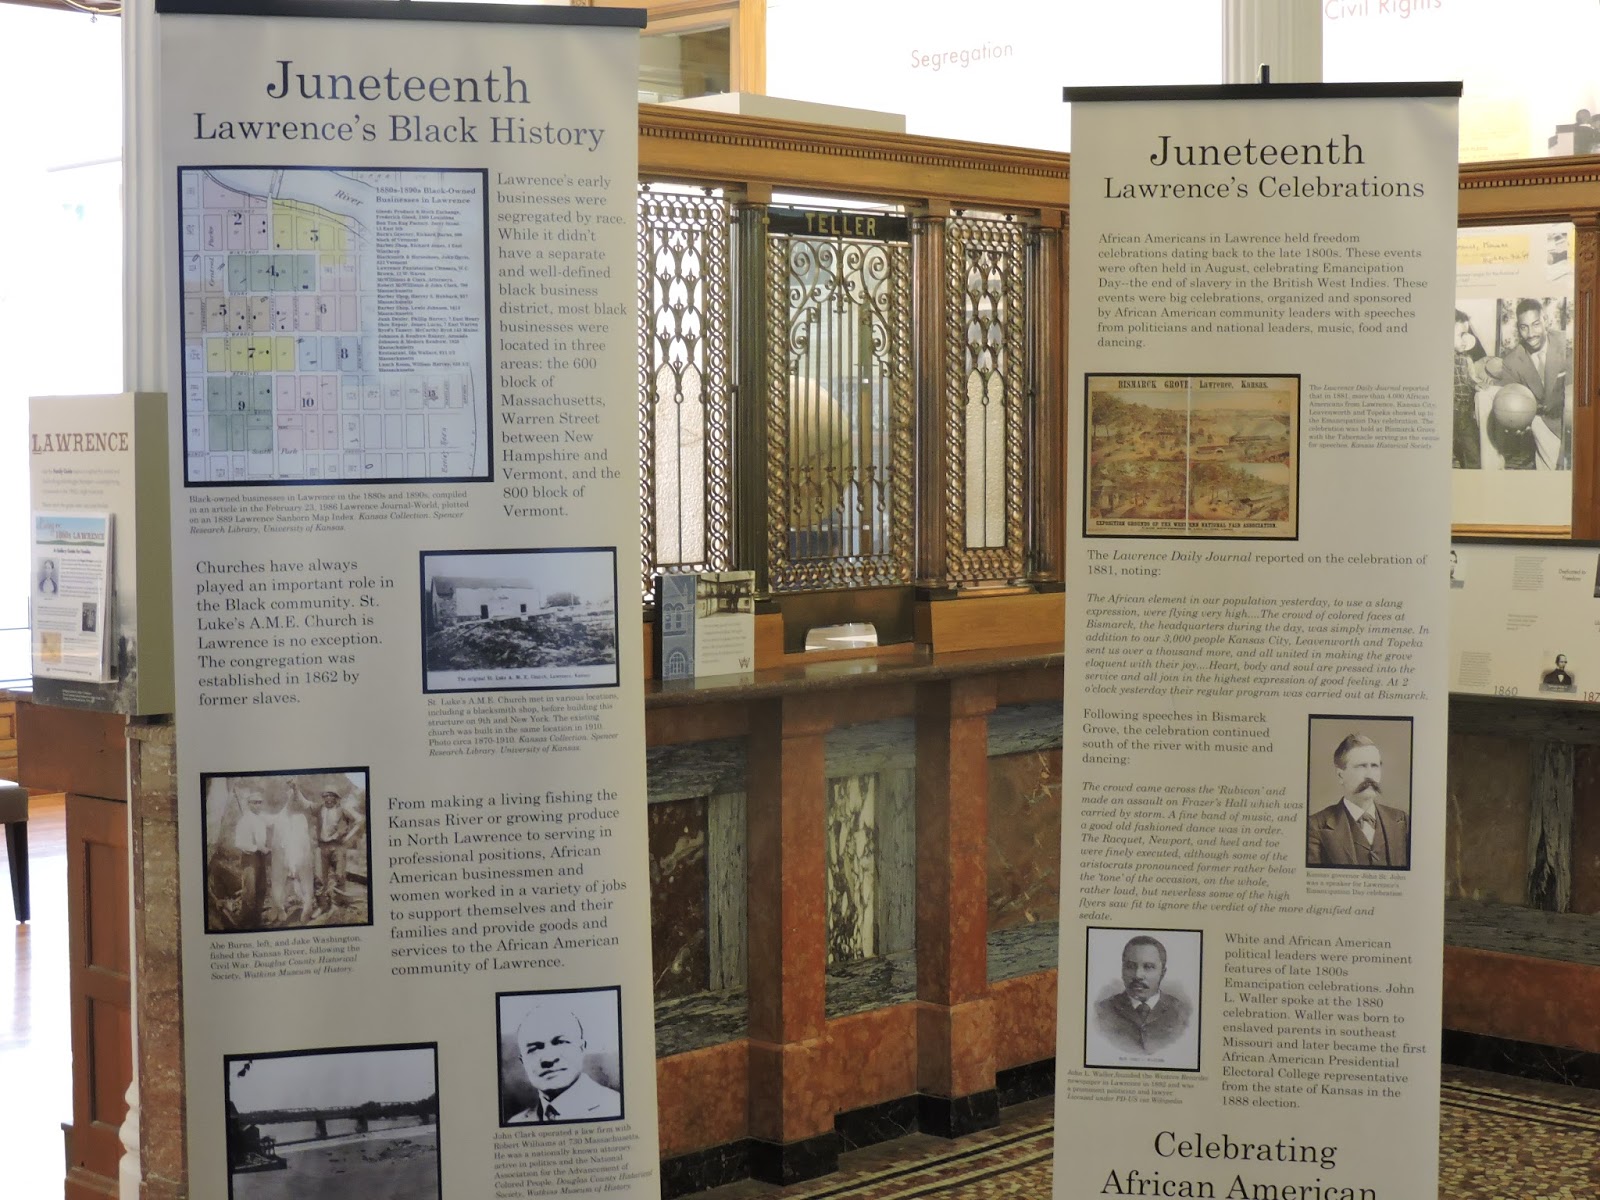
x: 14, y: 816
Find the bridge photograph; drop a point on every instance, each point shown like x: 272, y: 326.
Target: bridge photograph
x: 360, y: 1123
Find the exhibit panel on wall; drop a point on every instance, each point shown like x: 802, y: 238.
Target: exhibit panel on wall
x: 399, y: 282
x: 1253, y: 763
x: 1511, y: 420
x: 1525, y: 620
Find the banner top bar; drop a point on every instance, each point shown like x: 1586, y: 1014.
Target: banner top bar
x: 409, y: 10
x: 1267, y: 91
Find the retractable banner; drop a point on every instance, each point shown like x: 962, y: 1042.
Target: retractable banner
x: 1254, y: 757
x: 401, y: 364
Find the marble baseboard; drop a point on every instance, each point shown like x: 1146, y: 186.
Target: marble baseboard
x: 1526, y: 1060
x: 785, y: 1163
x: 705, y: 1169
x: 948, y: 1117
x: 878, y: 1122
x: 872, y: 1125
x: 1018, y: 1085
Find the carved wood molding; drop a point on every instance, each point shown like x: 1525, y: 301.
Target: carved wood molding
x: 722, y: 148
x: 1530, y: 189
x: 725, y: 148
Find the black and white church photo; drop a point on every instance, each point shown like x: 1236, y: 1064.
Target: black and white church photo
x: 506, y: 620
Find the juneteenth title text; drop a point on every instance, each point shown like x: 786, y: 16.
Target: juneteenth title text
x: 1340, y: 150
x: 499, y: 86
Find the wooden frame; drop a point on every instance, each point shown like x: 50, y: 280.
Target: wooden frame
x: 1530, y: 191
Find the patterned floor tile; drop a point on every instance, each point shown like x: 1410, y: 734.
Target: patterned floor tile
x: 1499, y: 1139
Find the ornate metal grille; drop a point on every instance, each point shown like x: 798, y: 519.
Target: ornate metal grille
x: 986, y: 374
x: 839, y: 412
x: 685, y: 387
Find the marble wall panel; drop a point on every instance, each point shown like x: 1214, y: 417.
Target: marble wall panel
x: 728, y: 903
x: 678, y: 888
x: 1525, y: 999
x: 1014, y: 728
x: 703, y: 1097
x: 873, y: 1056
x: 852, y: 879
x: 1586, y: 831
x: 891, y: 745
x: 1489, y: 784
x: 682, y: 772
x: 897, y: 861
x: 1025, y: 1020
x: 1024, y: 838
x: 870, y: 747
x: 157, y: 933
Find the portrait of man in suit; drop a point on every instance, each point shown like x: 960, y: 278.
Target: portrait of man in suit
x: 1362, y: 828
x: 560, y: 1044
x: 1146, y: 1018
x: 1541, y: 361
x: 1558, y: 678
x: 1141, y: 1016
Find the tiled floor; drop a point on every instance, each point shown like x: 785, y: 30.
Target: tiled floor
x: 1499, y: 1139
x: 35, y: 1037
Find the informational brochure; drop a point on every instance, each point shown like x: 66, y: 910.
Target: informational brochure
x: 400, y: 282
x: 1256, y: 704
x: 707, y: 624
x: 71, y: 594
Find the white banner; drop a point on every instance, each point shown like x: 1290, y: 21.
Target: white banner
x: 1256, y: 707
x: 402, y: 372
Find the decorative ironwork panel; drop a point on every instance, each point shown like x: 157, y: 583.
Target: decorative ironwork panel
x: 839, y: 406
x: 986, y: 290
x: 685, y: 386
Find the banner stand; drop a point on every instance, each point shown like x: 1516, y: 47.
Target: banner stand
x: 1256, y: 699
x: 397, y: 270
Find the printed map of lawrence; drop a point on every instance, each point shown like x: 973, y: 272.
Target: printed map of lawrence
x: 333, y: 325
